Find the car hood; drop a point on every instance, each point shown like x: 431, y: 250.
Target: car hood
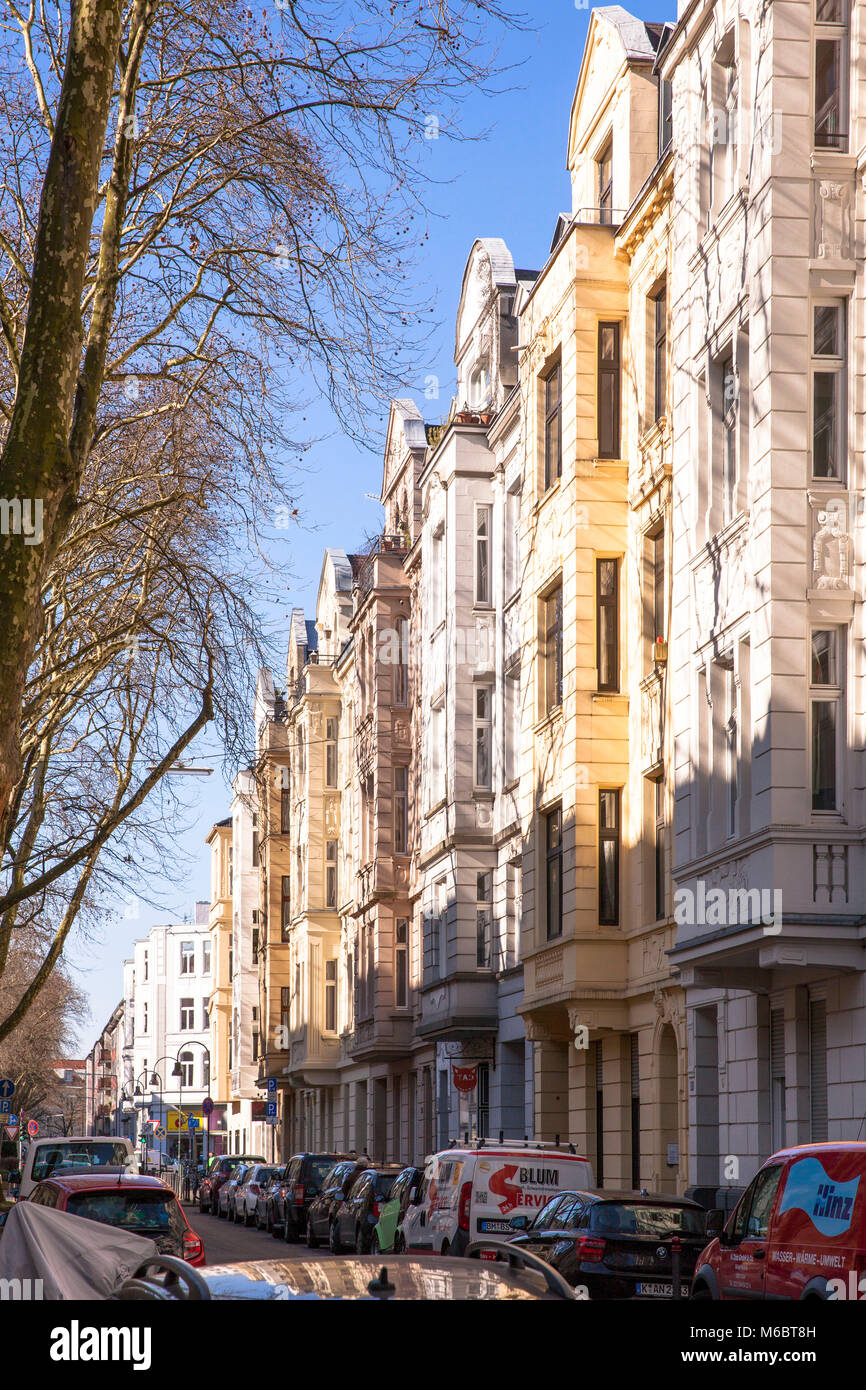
x: 439, y: 1278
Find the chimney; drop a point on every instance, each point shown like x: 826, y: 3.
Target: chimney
x: 202, y: 914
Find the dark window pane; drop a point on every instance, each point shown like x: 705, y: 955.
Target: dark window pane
x: 828, y: 107
x: 824, y: 755
x: 825, y: 425
x: 554, y: 897
x: 828, y: 336
x: 824, y: 658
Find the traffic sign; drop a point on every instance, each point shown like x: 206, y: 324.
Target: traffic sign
x: 7, y: 1088
x: 10, y: 1120
x: 32, y: 1128
x: 207, y: 1106
x: 12, y: 1132
x: 5, y: 1107
x: 271, y: 1085
x: 147, y: 1131
x: 271, y: 1113
x: 159, y: 1132
x: 193, y: 1122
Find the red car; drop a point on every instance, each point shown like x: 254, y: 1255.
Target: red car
x: 142, y: 1205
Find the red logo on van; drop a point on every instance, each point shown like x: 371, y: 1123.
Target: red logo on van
x: 501, y: 1186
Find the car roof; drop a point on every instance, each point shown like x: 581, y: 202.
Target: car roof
x: 93, y: 1182
x: 798, y: 1150
x: 634, y: 1198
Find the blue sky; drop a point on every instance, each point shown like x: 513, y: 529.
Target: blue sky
x: 511, y: 184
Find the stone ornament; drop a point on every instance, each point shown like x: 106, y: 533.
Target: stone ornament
x: 831, y: 550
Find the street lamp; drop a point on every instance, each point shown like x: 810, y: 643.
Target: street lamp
x: 139, y: 1090
x: 175, y: 1071
x: 196, y: 1042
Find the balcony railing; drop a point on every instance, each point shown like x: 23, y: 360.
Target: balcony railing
x: 390, y: 543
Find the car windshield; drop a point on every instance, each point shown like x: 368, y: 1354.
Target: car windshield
x: 383, y: 1182
x: 78, y: 1154
x: 265, y: 1174
x: 130, y: 1211
x: 634, y: 1219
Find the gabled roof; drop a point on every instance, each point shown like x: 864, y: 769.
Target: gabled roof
x: 639, y: 40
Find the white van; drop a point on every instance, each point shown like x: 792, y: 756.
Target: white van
x: 47, y: 1156
x: 475, y: 1190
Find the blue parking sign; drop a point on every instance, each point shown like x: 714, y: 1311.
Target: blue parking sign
x: 271, y: 1085
x: 272, y: 1110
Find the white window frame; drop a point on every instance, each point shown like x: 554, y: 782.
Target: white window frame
x: 187, y: 1015
x: 331, y: 735
x: 330, y: 999
x: 483, y: 554
x: 401, y: 809
x: 332, y: 881
x: 401, y: 962
x: 834, y: 33
x: 187, y: 957
x: 484, y: 919
x: 833, y: 694
x: 482, y: 729
x: 835, y: 365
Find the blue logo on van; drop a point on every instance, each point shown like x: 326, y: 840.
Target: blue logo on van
x: 829, y: 1205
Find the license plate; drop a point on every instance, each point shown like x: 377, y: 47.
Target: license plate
x: 493, y: 1226
x: 660, y: 1290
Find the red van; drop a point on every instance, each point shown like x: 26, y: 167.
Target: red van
x: 798, y: 1231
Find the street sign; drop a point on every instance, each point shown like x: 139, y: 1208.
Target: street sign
x: 146, y: 1131
x: 159, y: 1132
x: 5, y: 1107
x: 271, y: 1085
x: 12, y: 1132
x: 7, y: 1088
x: 11, y: 1120
x: 192, y: 1122
x: 272, y: 1111
x: 207, y: 1106
x: 32, y: 1128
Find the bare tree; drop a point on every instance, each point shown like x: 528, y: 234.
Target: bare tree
x: 227, y: 209
x: 29, y: 1053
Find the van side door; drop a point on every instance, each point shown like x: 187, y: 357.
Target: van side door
x: 743, y: 1245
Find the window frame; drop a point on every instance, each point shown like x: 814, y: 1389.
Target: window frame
x: 332, y: 726
x: 482, y: 736
x: 330, y: 996
x: 484, y: 919
x: 604, y: 185
x: 553, y: 865
x: 835, y: 366
x: 610, y: 835
x: 552, y: 414
x: 401, y: 808
x: 609, y: 448
x: 332, y: 874
x: 401, y: 963
x: 659, y: 302
x: 603, y: 603
x: 552, y: 648
x: 831, y: 694
x: 483, y: 554
x: 833, y: 32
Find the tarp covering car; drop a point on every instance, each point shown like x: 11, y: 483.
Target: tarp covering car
x: 73, y: 1257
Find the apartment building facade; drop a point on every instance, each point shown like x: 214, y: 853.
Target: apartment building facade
x: 767, y: 626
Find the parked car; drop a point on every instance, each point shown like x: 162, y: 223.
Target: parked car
x: 354, y: 1221
x: 220, y: 1169
x: 47, y: 1156
x: 264, y: 1215
x: 247, y: 1193
x: 335, y: 1188
x: 301, y: 1183
x: 225, y: 1200
x: 144, y: 1206
x: 616, y: 1244
x: 387, y: 1234
x: 473, y: 1191
x: 797, y: 1232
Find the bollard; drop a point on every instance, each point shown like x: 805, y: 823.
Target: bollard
x: 675, y: 1266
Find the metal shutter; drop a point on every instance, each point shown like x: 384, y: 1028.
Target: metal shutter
x: 818, y: 1069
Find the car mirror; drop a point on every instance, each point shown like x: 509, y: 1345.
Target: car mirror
x: 715, y: 1223
x: 519, y: 1223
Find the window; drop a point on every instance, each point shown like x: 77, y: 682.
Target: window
x: 438, y: 766
x: 512, y: 543
x: 205, y: 1070
x: 302, y: 755
x: 401, y: 963
x: 367, y: 826
x: 831, y: 75
x: 330, y: 996
x: 437, y: 579
x: 187, y: 958
x: 608, y: 858
x: 401, y: 670
x: 483, y: 522
x: 285, y: 1015
x: 331, y: 883
x: 655, y: 603
x: 285, y: 906
x: 146, y: 966
x: 231, y: 958
x: 144, y: 1019
x: 435, y: 929
x: 255, y: 844
x: 732, y: 746
x: 604, y: 167
x: 187, y: 1015
x: 205, y: 1016
x: 186, y: 1066
x: 660, y: 350
x: 729, y: 440
x: 484, y: 920
x: 666, y: 122
x: 512, y: 727
x: 552, y: 648
x: 401, y: 810
x: 255, y: 941
x: 724, y: 135
x: 513, y: 908
x: 609, y: 390
x: 285, y: 802
x: 828, y: 390
x: 607, y: 624
x: 553, y: 426
x: 483, y: 737
x: 231, y: 869
x: 256, y: 1043
x: 331, y: 752
x: 205, y: 958
x: 826, y: 715
x: 659, y: 800
x: 553, y: 863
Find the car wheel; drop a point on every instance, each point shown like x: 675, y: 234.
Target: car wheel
x: 276, y: 1229
x: 312, y: 1240
x: 334, y: 1244
x: 374, y: 1244
x: 702, y: 1293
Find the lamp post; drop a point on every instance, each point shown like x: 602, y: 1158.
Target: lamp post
x: 139, y: 1090
x: 175, y: 1071
x: 196, y: 1042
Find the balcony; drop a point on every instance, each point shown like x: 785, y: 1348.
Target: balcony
x: 385, y: 546
x: 461, y: 1005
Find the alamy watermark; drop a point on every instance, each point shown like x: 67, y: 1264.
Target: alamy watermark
x: 724, y: 907
x: 22, y: 516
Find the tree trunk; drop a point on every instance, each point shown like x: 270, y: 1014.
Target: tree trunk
x: 37, y: 475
